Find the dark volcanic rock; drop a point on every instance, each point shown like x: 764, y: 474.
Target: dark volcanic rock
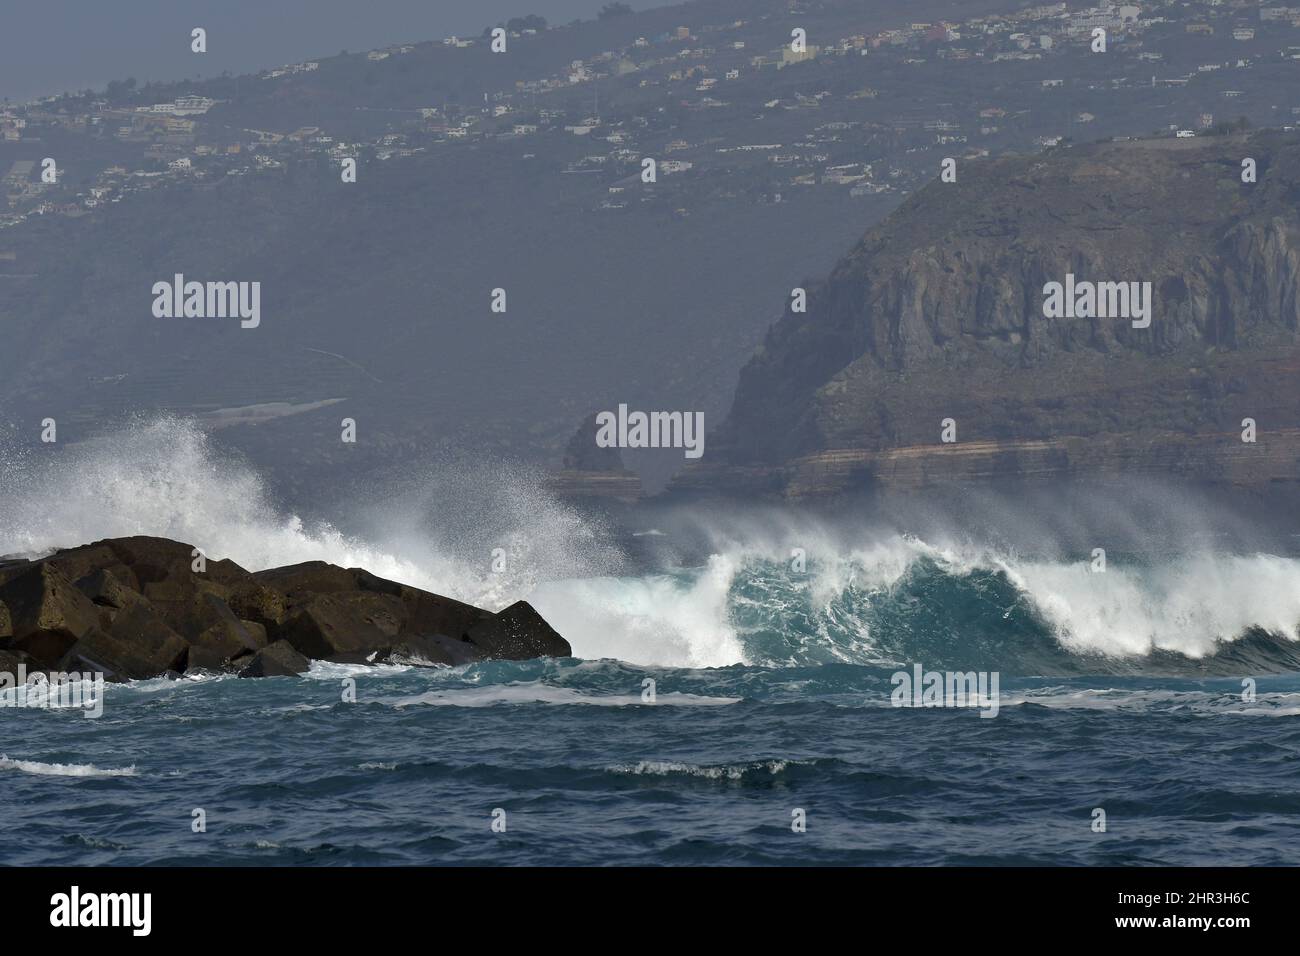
x: 105, y: 589
x: 423, y: 613
x: 310, y: 577
x: 140, y: 645
x: 275, y: 660
x: 257, y: 632
x: 190, y: 605
x: 229, y: 638
x: 139, y: 609
x: 160, y: 559
x: 254, y: 601
x: 436, y: 650
x: 48, y: 613
x: 344, y: 624
x: 93, y: 559
x: 519, y: 633
x: 10, y: 661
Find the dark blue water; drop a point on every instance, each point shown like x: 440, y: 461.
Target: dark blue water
x: 1186, y: 771
x: 772, y: 676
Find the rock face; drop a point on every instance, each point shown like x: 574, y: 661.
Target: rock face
x: 591, y: 472
x: 938, y: 313
x: 142, y: 607
x: 516, y: 634
x: 49, y: 615
x: 276, y: 660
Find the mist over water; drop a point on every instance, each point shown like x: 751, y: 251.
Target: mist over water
x: 166, y: 477
x: 716, y: 588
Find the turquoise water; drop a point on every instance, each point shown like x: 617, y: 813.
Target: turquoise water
x: 589, y: 771
x: 1163, y: 691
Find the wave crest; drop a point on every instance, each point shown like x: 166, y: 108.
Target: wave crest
x: 860, y: 596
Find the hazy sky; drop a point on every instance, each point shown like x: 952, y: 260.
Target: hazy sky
x: 49, y: 46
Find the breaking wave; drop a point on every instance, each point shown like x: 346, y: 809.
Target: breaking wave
x: 63, y: 769
x: 167, y: 478
x: 859, y: 596
x: 668, y: 768
x: 904, y: 601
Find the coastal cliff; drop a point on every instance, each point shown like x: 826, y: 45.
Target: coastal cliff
x: 938, y: 313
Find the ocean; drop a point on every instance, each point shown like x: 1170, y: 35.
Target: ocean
x: 730, y: 702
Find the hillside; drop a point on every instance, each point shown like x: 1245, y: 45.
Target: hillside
x: 478, y: 171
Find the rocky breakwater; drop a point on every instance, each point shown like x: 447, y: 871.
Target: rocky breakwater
x: 140, y: 607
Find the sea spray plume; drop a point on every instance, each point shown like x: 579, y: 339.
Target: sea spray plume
x: 14, y: 474
x: 435, y: 528
x: 152, y: 477
x: 567, y: 561
x: 486, y: 523
x: 675, y: 618
x: 165, y: 477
